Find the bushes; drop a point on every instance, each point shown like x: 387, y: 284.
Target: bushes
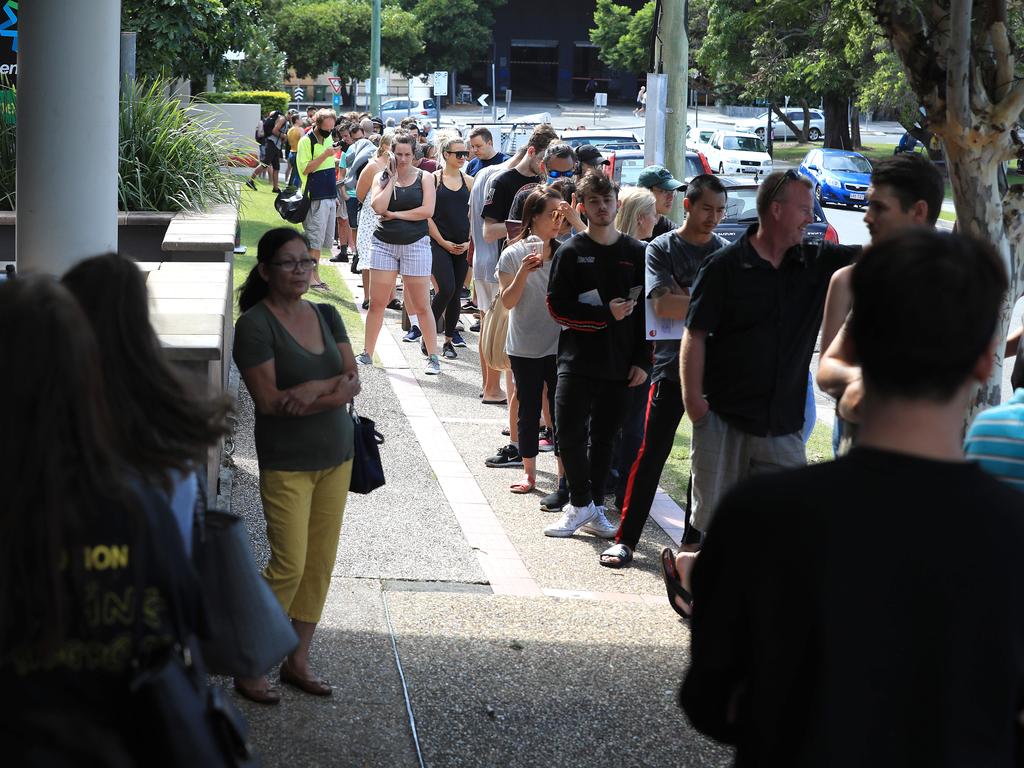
x: 268, y: 100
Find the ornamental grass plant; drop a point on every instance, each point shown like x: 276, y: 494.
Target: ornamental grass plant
x: 168, y: 158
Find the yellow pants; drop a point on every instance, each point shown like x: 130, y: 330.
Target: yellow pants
x: 303, y: 512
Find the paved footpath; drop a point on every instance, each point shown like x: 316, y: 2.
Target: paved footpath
x: 455, y: 632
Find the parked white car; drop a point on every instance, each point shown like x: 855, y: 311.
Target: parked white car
x: 731, y: 153
x: 698, y: 139
x: 780, y: 130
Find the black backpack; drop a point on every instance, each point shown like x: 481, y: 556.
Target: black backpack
x: 293, y: 204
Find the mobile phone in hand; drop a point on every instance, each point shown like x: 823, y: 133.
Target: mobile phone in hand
x: 635, y: 291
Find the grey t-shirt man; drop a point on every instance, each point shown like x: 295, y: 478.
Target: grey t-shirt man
x: 485, y: 255
x: 532, y: 332
x: 672, y: 262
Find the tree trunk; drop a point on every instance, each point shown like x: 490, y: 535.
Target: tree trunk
x: 801, y: 136
x: 837, y: 126
x: 855, y: 128
x: 807, y: 116
x: 980, y: 210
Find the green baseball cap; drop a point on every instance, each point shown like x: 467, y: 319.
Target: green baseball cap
x: 658, y: 176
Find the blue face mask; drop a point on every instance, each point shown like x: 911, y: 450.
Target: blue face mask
x: 560, y: 174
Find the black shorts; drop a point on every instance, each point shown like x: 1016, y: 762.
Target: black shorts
x: 353, y: 206
x: 272, y: 155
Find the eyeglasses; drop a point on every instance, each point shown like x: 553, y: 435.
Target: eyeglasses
x: 789, y: 175
x: 462, y: 154
x: 561, y: 174
x: 289, y: 265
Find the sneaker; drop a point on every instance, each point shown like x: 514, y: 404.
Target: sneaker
x: 459, y: 326
x: 475, y: 327
x: 599, y: 525
x: 448, y: 351
x: 547, y: 441
x: 354, y: 267
x: 365, y: 304
x: 413, y: 334
x: 276, y: 190
x: 457, y: 340
x: 395, y: 304
x: 469, y: 306
x: 341, y: 258
x: 464, y: 293
x: 364, y: 359
x: 507, y: 456
x: 423, y: 348
x: 250, y: 184
x: 571, y: 521
x: 555, y: 502
x: 433, y: 366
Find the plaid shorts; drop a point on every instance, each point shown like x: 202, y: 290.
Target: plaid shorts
x: 412, y: 260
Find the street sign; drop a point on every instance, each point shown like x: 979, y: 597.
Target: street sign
x: 483, y: 100
x: 299, y: 94
x: 382, y: 85
x: 600, y: 99
x: 440, y: 83
x: 337, y: 100
x: 335, y: 83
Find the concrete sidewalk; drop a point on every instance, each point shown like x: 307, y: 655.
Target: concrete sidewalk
x: 515, y: 649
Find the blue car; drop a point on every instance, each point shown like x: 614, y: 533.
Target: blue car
x: 839, y: 176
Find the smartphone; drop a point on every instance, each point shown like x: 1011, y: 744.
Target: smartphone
x: 635, y: 291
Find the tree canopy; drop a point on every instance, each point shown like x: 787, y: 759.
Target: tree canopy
x: 456, y: 33
x: 623, y: 36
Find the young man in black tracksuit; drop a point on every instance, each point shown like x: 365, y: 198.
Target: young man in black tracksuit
x: 601, y: 352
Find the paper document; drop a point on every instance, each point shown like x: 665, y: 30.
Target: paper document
x: 661, y: 328
x: 593, y: 298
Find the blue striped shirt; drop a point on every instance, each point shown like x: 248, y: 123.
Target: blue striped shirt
x: 996, y: 440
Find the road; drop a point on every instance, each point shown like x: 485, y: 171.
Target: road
x: 849, y: 224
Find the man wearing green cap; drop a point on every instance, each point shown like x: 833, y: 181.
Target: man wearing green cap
x: 659, y: 180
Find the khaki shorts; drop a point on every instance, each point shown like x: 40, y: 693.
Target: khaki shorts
x: 319, y: 224
x: 722, y: 456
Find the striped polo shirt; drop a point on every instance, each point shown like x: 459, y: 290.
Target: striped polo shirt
x: 996, y: 440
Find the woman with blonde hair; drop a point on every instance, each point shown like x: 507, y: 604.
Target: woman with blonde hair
x: 637, y: 215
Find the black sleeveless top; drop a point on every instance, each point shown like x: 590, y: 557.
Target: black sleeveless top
x: 451, y: 212
x: 399, y: 231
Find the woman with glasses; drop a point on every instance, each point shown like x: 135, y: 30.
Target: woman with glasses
x: 449, y: 240
x: 298, y: 365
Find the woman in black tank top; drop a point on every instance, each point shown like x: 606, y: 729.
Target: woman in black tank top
x: 449, y: 239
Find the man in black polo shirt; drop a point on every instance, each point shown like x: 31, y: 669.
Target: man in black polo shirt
x: 754, y: 315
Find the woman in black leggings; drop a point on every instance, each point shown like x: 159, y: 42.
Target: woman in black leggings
x: 449, y: 239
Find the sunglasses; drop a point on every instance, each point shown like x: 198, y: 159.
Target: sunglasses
x: 561, y: 174
x: 789, y: 175
x: 461, y: 154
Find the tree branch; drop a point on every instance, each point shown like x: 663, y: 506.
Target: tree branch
x: 1008, y: 110
x: 1001, y: 49
x: 958, y: 82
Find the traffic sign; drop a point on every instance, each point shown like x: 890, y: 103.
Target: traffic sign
x: 299, y: 93
x: 337, y: 100
x: 382, y: 85
x: 483, y: 100
x: 335, y: 83
x: 600, y: 99
x: 440, y: 83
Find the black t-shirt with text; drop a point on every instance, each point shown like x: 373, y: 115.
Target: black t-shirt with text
x: 502, y: 192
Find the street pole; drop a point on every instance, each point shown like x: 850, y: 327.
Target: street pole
x: 375, y: 58
x: 676, y: 51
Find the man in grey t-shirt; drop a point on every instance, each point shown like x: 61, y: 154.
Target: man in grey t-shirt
x: 672, y: 262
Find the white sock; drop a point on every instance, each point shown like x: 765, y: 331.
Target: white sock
x: 414, y: 320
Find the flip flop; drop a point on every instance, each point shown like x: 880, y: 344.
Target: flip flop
x: 621, y: 551
x: 496, y: 402
x: 523, y: 486
x: 672, y: 585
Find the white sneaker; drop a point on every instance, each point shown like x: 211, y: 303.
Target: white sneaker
x: 572, y: 519
x: 600, y: 526
x: 433, y: 366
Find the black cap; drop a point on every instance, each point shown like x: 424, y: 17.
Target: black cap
x: 591, y: 155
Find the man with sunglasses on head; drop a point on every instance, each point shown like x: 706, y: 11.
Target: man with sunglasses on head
x: 753, y: 318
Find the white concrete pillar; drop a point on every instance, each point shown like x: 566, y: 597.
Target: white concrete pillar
x: 68, y: 57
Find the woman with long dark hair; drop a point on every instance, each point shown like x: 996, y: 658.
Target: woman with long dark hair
x: 297, y: 363
x: 449, y: 240
x: 166, y: 423
x: 78, y: 534
x: 523, y: 272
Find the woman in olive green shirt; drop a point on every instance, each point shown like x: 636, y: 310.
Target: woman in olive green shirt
x: 297, y: 364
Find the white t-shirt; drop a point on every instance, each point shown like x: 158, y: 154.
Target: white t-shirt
x: 532, y: 332
x: 485, y: 255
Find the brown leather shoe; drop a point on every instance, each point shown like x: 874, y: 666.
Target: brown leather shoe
x: 306, y: 685
x: 268, y: 695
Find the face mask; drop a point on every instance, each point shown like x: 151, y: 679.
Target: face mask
x: 324, y: 133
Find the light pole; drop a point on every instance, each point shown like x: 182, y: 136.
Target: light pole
x: 676, y: 52
x: 375, y: 58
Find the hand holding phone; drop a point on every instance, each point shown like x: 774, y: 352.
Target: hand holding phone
x: 635, y: 291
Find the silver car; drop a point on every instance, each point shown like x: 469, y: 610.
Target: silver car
x: 399, y: 109
x: 780, y: 130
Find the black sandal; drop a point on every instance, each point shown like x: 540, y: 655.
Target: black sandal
x: 672, y: 585
x: 621, y: 551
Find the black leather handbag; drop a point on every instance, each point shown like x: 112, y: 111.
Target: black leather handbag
x: 293, y: 204
x: 367, y: 468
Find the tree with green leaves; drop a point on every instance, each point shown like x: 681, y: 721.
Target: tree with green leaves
x: 263, y: 67
x: 313, y: 47
x: 961, y: 61
x: 456, y: 33
x: 188, y: 38
x: 623, y: 36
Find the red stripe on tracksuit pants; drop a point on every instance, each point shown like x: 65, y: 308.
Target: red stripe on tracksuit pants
x: 664, y: 412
